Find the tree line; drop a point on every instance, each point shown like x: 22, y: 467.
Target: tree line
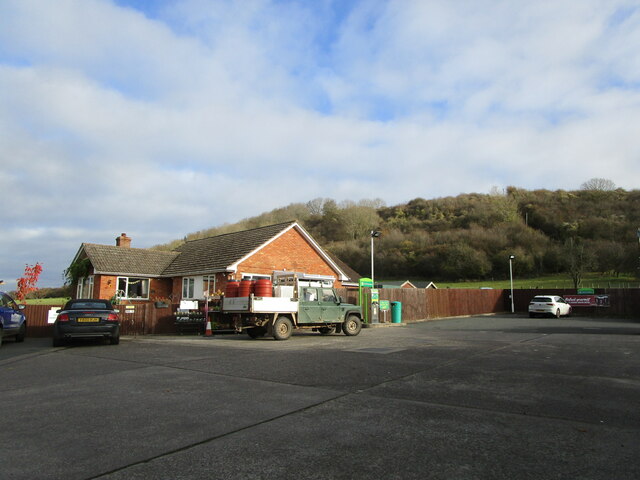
x: 471, y: 236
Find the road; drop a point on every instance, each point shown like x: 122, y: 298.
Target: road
x: 492, y: 397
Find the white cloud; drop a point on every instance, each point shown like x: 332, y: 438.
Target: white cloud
x: 164, y: 122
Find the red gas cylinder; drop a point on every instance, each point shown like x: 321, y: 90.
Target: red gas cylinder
x: 263, y: 288
x: 231, y: 290
x: 246, y: 288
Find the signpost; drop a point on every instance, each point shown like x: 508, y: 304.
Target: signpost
x: 385, y: 306
x: 362, y: 284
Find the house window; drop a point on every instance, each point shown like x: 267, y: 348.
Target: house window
x: 133, y: 288
x: 85, y: 287
x: 188, y: 287
x: 209, y: 285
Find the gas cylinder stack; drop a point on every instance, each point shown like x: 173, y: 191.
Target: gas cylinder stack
x: 262, y: 287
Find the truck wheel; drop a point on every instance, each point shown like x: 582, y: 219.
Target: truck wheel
x: 256, y: 332
x: 327, y: 330
x: 282, y: 328
x: 352, y: 326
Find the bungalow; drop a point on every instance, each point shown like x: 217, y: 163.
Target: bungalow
x: 200, y: 267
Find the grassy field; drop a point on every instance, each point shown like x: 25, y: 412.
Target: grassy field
x: 593, y: 280
x: 46, y: 301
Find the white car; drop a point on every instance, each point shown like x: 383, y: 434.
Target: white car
x: 549, y: 305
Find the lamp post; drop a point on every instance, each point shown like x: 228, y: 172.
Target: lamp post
x: 511, y: 257
x: 374, y: 234
x: 638, y: 234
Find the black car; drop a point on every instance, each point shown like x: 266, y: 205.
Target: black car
x: 87, y: 318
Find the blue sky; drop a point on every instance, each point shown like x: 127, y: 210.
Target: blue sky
x: 160, y: 118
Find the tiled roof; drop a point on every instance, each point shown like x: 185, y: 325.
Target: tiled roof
x: 218, y: 253
x: 347, y: 270
x: 196, y: 257
x: 132, y: 261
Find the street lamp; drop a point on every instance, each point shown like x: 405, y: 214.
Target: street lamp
x: 511, y: 257
x: 374, y: 234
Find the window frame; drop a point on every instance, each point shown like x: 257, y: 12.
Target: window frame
x: 209, y: 285
x: 125, y: 291
x: 84, y: 289
x: 189, y: 286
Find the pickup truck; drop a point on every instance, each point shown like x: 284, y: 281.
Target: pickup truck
x: 318, y: 308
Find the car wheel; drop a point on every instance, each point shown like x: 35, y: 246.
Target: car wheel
x: 0, y: 337
x: 531, y: 315
x: 558, y: 313
x: 58, y: 342
x: 114, y: 340
x: 256, y: 332
x: 282, y: 328
x: 352, y: 326
x: 327, y: 330
x: 22, y: 333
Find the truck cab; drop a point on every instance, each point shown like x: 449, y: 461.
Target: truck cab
x: 321, y: 304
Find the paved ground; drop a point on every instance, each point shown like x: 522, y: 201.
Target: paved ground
x: 500, y: 397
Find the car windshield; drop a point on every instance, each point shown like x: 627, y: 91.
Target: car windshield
x: 542, y: 299
x: 88, y: 305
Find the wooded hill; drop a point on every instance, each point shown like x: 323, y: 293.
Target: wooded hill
x: 471, y: 236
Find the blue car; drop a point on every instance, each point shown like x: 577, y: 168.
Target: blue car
x: 13, y: 322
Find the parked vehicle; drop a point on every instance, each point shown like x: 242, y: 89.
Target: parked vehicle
x: 13, y: 322
x: 87, y: 318
x: 549, y: 305
x: 298, y: 302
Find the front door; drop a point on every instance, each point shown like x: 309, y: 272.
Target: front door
x: 310, y: 310
x: 329, y: 305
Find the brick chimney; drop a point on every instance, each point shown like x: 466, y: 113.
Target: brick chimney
x: 123, y: 241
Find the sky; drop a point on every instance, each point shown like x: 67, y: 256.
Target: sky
x: 162, y: 118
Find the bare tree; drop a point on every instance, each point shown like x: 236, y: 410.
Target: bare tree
x: 579, y: 260
x: 316, y: 206
x: 599, y: 184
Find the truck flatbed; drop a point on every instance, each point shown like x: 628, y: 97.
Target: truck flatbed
x: 259, y: 305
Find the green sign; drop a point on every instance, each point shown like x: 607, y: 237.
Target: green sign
x: 385, y: 305
x: 366, y: 283
x: 375, y: 295
x: 586, y: 291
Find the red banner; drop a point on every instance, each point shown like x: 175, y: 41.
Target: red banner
x: 587, y: 300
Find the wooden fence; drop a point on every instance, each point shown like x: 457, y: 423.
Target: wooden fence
x: 426, y: 304
x: 417, y: 304
x: 143, y: 318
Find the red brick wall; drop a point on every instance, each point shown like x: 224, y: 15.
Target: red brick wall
x: 104, y: 286
x: 290, y: 251
x: 176, y: 286
x: 160, y: 288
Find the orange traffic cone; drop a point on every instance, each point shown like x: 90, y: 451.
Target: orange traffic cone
x: 207, y: 332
